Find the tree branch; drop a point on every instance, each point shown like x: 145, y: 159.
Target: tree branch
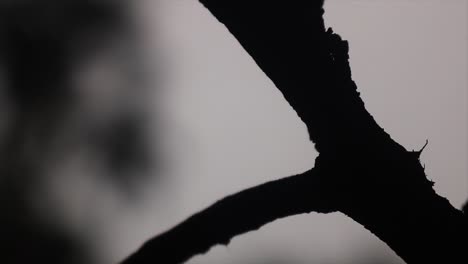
x: 369, y: 177
x: 288, y: 41
x: 378, y: 183
x: 237, y: 214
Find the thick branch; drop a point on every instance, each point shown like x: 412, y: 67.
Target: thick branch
x: 383, y: 187
x: 287, y: 39
x: 369, y: 177
x: 234, y: 215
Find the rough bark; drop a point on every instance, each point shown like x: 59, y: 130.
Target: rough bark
x: 365, y: 174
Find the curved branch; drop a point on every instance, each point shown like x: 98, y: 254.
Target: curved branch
x: 369, y: 177
x: 382, y: 186
x: 245, y: 211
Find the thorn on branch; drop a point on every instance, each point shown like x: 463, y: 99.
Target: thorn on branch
x: 417, y: 153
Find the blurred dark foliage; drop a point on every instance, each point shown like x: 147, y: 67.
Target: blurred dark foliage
x: 40, y: 42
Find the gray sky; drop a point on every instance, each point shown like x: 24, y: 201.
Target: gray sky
x: 231, y: 129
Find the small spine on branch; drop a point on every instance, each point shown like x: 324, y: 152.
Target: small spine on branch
x: 417, y: 153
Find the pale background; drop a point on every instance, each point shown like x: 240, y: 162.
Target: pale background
x: 226, y: 127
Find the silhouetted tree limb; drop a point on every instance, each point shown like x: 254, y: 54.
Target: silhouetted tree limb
x: 237, y: 214
x: 369, y: 177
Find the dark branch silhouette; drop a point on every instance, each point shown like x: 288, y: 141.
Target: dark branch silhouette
x: 237, y: 214
x: 363, y: 173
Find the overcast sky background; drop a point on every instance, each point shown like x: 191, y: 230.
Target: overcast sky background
x: 228, y: 128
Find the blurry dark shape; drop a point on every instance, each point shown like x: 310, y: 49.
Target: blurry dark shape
x: 25, y: 236
x: 38, y: 45
x: 41, y: 44
x: 122, y: 148
x: 26, y: 240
